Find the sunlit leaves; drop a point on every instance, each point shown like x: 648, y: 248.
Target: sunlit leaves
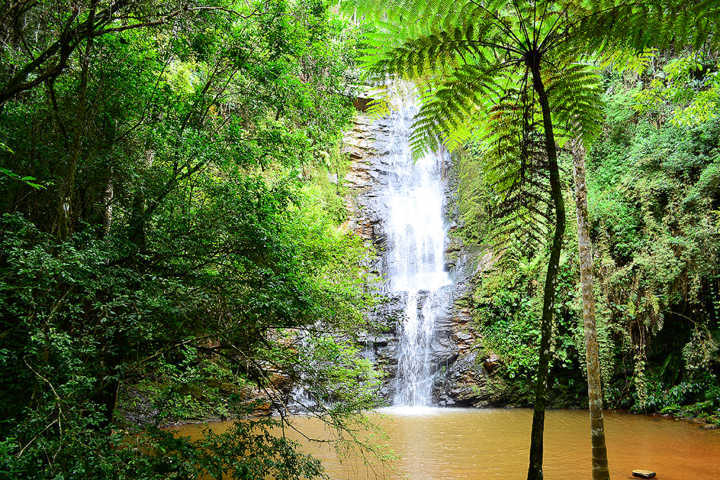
x: 204, y: 237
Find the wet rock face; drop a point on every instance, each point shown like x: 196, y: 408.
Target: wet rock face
x: 367, y: 172
x: 460, y: 377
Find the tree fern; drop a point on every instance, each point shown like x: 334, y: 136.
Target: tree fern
x: 647, y: 24
x: 514, y: 77
x: 507, y: 76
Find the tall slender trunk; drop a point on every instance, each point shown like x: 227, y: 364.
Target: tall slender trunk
x: 66, y: 198
x: 108, y: 195
x: 597, y: 429
x: 535, y: 471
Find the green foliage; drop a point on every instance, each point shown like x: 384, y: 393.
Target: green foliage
x: 27, y: 180
x: 510, y: 323
x: 655, y: 226
x: 661, y: 24
x: 508, y: 302
x: 185, y: 258
x: 653, y: 202
x: 471, y: 62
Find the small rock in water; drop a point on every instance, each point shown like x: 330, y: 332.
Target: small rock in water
x: 643, y: 474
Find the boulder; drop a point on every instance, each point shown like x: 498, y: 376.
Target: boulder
x: 491, y: 362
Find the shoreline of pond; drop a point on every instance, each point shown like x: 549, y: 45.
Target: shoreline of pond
x: 698, y: 421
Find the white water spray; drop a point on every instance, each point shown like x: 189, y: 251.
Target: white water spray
x: 416, y: 241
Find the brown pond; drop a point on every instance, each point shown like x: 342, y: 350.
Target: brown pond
x: 492, y: 444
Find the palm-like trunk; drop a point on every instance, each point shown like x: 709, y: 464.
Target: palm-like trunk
x: 535, y: 471
x: 597, y: 429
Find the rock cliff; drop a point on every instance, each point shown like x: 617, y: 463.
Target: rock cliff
x: 461, y: 376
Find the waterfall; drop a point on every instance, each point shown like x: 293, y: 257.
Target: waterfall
x: 415, y: 259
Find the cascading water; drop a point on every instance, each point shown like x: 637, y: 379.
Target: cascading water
x: 415, y: 261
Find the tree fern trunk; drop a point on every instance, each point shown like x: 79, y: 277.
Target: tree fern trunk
x: 535, y: 471
x: 597, y: 428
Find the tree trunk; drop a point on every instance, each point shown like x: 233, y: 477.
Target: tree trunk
x: 108, y: 195
x: 597, y: 429
x: 535, y: 471
x: 66, y: 198
x: 140, y: 211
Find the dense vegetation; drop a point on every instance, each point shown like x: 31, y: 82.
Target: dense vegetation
x: 171, y: 220
x: 654, y: 200
x: 517, y: 80
x: 170, y: 234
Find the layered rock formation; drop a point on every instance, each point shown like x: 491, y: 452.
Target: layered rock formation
x: 460, y: 376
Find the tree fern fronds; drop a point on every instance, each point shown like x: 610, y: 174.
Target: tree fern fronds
x: 414, y: 57
x: 518, y: 225
x: 575, y: 95
x: 638, y: 25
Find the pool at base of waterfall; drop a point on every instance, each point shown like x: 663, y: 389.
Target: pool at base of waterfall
x: 492, y: 444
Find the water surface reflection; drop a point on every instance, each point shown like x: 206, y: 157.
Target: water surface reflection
x: 492, y: 444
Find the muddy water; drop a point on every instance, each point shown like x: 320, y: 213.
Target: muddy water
x: 492, y: 444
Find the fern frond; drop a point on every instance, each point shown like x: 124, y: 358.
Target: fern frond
x: 574, y: 91
x: 642, y: 24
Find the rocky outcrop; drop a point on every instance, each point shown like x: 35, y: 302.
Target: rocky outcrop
x: 466, y: 380
x: 461, y: 377
x: 368, y: 172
